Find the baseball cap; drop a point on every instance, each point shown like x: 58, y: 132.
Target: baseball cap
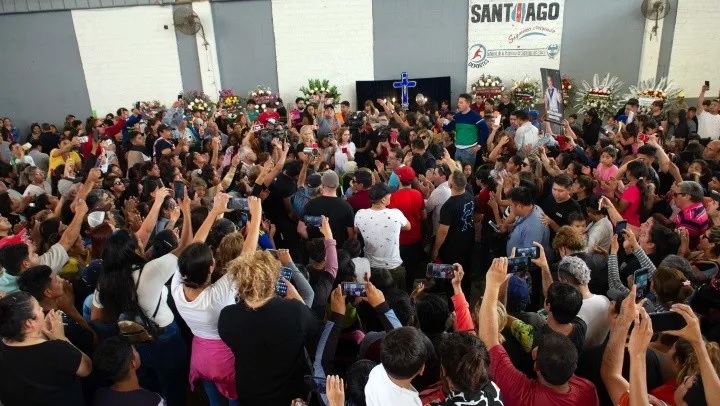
x: 364, y: 178
x: 314, y: 180
x: 330, y: 179
x: 163, y: 127
x: 517, y: 292
x: 95, y: 218
x: 575, y: 267
x: 405, y: 174
x: 378, y: 191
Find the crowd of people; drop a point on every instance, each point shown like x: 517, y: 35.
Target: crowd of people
x: 295, y: 256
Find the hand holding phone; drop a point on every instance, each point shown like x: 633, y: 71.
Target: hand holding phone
x: 530, y: 252
x: 518, y: 264
x: 281, y: 287
x: 440, y: 271
x: 313, y: 221
x: 353, y: 289
x: 641, y: 281
x: 667, y: 321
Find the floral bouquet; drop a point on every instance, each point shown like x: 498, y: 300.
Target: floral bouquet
x: 568, y: 89
x: 526, y: 93
x: 262, y: 96
x: 649, y: 91
x: 149, y: 109
x: 196, y: 101
x: 602, y: 95
x: 319, y: 89
x: 230, y: 102
x: 489, y: 87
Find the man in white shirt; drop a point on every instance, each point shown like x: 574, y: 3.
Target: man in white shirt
x: 380, y: 228
x: 403, y: 358
x: 708, y: 121
x: 439, y: 195
x: 526, y: 134
x: 574, y: 271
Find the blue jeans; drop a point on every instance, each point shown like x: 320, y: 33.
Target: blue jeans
x: 165, y: 365
x: 214, y: 396
x: 465, y: 156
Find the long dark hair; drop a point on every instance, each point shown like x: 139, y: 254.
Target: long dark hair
x: 15, y: 309
x: 640, y: 172
x: 116, y: 286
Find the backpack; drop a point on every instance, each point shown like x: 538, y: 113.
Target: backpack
x: 135, y: 325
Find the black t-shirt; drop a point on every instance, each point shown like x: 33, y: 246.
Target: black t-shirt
x: 577, y: 336
x: 49, y: 141
x: 140, y: 397
x: 322, y: 285
x: 457, y: 214
x: 339, y: 213
x: 590, y: 361
x: 269, y: 344
x: 160, y: 145
x: 274, y: 206
x: 559, y: 212
x: 80, y: 337
x: 40, y: 374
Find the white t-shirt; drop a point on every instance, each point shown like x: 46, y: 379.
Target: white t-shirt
x: 435, y: 202
x: 526, y: 134
x: 594, y: 313
x: 35, y: 190
x: 381, y: 391
x: 202, y: 314
x: 599, y: 233
x: 151, y: 287
x: 381, y: 231
x: 708, y: 125
x: 341, y: 158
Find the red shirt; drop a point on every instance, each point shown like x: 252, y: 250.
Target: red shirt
x: 265, y: 116
x: 360, y: 200
x: 519, y: 390
x: 478, y: 109
x: 483, y: 207
x: 411, y: 203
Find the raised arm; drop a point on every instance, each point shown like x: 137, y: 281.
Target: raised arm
x: 186, y: 232
x: 71, y: 234
x: 495, y: 277
x: 612, y: 362
x: 219, y: 205
x: 143, y: 234
x: 253, y: 227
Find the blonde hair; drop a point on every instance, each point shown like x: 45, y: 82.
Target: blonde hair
x: 309, y: 133
x: 255, y: 275
x: 230, y: 247
x: 690, y: 366
x: 502, y: 320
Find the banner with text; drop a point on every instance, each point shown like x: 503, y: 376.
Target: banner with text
x: 513, y: 40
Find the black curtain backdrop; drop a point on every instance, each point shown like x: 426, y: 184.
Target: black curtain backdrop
x: 435, y: 89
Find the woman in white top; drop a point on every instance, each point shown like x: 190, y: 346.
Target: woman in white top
x: 199, y: 302
x: 128, y: 283
x: 344, y: 150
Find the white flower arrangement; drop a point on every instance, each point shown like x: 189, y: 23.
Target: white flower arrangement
x: 601, y: 95
x: 526, y: 93
x: 489, y: 87
x: 319, y: 89
x: 648, y: 91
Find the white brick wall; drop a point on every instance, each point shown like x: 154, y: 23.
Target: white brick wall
x: 323, y: 39
x: 127, y: 55
x: 695, y: 53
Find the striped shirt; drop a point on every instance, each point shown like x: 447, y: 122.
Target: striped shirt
x: 695, y: 219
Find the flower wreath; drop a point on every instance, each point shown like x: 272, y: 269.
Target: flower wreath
x: 488, y: 86
x: 602, y: 95
x: 319, y: 89
x: 526, y: 93
x: 149, y: 109
x: 263, y: 96
x: 568, y: 89
x: 648, y: 91
x: 197, y: 101
x: 230, y: 102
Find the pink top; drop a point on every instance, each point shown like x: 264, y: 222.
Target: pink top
x: 603, y: 173
x: 632, y: 212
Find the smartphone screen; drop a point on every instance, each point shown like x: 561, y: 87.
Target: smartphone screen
x: 313, y: 221
x: 280, y: 286
x: 83, y: 139
x: 641, y: 277
x: 620, y: 227
x: 440, y: 271
x: 530, y: 252
x: 518, y: 264
x: 666, y: 321
x: 238, y: 203
x: 497, y: 120
x: 179, y: 188
x: 354, y: 289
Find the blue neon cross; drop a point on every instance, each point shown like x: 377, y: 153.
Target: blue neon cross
x: 404, y: 84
